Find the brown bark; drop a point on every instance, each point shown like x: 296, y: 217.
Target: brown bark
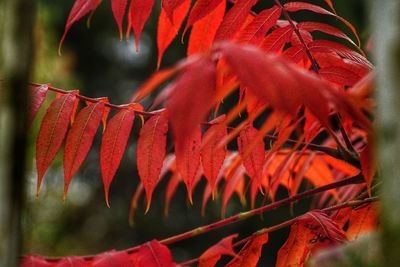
x: 17, y: 20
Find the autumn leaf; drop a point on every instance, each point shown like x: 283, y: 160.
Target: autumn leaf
x: 52, y: 131
x: 154, y: 254
x: 72, y: 261
x: 170, y: 7
x: 34, y: 261
x: 138, y: 14
x: 203, y: 9
x: 80, y: 139
x: 79, y: 9
x: 212, y: 154
x: 151, y: 152
x: 362, y: 220
x: 250, y: 254
x: 234, y: 19
x: 113, y: 145
x: 38, y: 95
x: 204, y: 30
x: 187, y: 153
x: 118, y: 8
x: 212, y: 255
x: 168, y: 29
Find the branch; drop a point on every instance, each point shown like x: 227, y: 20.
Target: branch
x: 350, y: 203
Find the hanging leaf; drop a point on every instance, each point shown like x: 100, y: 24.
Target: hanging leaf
x: 253, y: 160
x: 197, y: 81
x: 250, y: 253
x: 138, y: 14
x: 113, y: 145
x: 80, y: 139
x: 79, y: 9
x: 187, y: 153
x: 151, y: 152
x: 363, y: 220
x: 204, y: 30
x: 170, y: 6
x: 234, y: 19
x: 202, y: 9
x: 52, y: 131
x: 167, y: 29
x: 212, y: 154
x: 38, y: 95
x: 118, y: 8
x: 154, y: 254
x: 212, y: 255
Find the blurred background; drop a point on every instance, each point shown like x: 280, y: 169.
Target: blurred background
x: 97, y: 63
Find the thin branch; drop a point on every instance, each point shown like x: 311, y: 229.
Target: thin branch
x: 95, y: 100
x: 351, y: 203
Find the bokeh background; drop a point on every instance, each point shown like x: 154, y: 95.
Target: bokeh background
x: 95, y: 61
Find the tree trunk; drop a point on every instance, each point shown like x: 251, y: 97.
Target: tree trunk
x: 17, y: 20
x: 386, y: 23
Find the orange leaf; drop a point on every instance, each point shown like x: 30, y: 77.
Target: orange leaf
x: 154, y: 254
x: 52, y: 131
x: 368, y: 165
x: 211, y: 256
x: 80, y: 139
x: 250, y: 253
x: 151, y: 152
x: 204, y: 30
x: 362, y: 220
x: 113, y: 145
x: 167, y: 29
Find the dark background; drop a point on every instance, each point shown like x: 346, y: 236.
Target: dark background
x: 95, y: 61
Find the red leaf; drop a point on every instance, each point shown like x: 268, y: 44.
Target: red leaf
x: 151, y: 152
x: 250, y: 253
x: 203, y: 8
x: 211, y: 256
x: 52, y: 131
x: 187, y: 153
x: 34, y: 261
x: 297, y: 6
x: 231, y: 185
x: 80, y: 139
x: 38, y: 95
x: 212, y: 154
x: 72, y: 261
x: 154, y: 254
x: 79, y: 9
x: 139, y: 12
x: 170, y: 7
x: 325, y: 28
x: 234, y: 19
x: 283, y: 85
x: 197, y: 81
x: 204, y: 30
x: 167, y: 30
x: 253, y: 160
x: 118, y: 8
x: 325, y: 46
x: 368, y: 164
x: 277, y: 39
x: 255, y: 32
x: 340, y: 76
x: 113, y: 145
x: 112, y: 258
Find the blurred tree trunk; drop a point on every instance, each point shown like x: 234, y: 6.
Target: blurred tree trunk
x: 386, y: 23
x: 17, y: 20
